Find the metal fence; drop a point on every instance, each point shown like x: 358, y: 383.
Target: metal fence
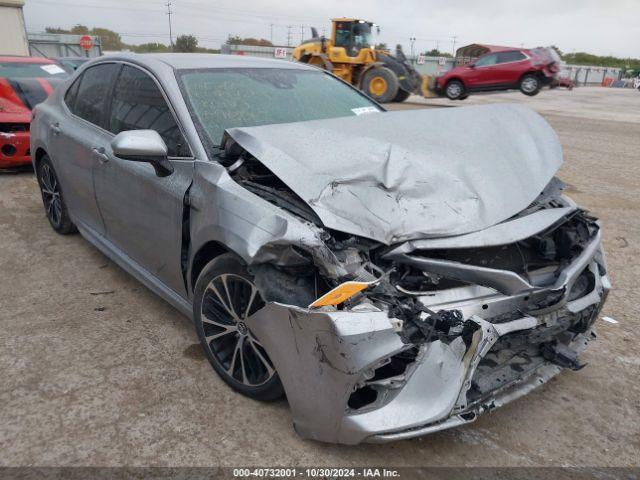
x: 590, y: 75
x: 61, y: 45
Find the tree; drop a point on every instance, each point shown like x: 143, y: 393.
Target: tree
x: 150, y: 47
x: 186, y: 43
x: 381, y: 46
x: 258, y: 42
x: 437, y: 53
x: 55, y: 30
x: 110, y: 40
x: 79, y: 30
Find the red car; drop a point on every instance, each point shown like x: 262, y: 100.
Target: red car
x: 24, y: 82
x: 527, y: 70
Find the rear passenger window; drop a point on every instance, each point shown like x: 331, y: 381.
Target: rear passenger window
x: 505, y: 57
x: 93, y: 94
x: 138, y: 104
x: 72, y: 93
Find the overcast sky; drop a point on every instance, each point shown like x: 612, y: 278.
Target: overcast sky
x: 597, y: 26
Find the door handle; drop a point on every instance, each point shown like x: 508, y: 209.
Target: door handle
x: 55, y: 128
x: 100, y: 153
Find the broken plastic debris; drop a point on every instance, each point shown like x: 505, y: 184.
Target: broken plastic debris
x: 610, y: 320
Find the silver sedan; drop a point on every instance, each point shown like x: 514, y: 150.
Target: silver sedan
x: 392, y: 273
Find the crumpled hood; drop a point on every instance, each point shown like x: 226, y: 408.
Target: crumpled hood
x: 405, y: 175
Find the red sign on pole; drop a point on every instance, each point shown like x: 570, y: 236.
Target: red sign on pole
x: 86, y: 42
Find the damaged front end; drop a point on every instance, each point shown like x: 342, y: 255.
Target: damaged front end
x: 445, y: 335
x: 380, y: 330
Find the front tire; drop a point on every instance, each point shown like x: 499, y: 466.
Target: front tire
x: 52, y: 197
x: 381, y: 84
x: 225, y: 295
x: 530, y: 85
x: 455, y: 90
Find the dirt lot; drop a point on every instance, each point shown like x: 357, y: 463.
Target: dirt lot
x: 97, y: 370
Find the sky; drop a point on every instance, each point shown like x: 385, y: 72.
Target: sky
x: 603, y: 27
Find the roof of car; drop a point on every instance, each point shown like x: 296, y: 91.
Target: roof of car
x: 19, y: 59
x: 478, y: 49
x: 183, y: 61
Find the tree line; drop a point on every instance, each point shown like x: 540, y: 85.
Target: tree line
x: 189, y: 43
x: 111, y: 40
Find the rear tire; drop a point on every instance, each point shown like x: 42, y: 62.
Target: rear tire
x: 530, y: 85
x: 52, y: 198
x: 225, y: 294
x: 381, y: 84
x: 401, y: 96
x: 455, y: 90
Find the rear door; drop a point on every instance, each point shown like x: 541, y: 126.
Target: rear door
x: 143, y: 213
x: 511, y: 65
x: 75, y: 137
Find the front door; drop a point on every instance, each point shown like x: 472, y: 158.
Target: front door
x: 143, y: 213
x: 485, y: 72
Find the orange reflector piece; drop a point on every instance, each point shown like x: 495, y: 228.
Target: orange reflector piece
x: 342, y: 292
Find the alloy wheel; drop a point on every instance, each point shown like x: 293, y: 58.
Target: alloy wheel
x: 51, y: 194
x: 454, y: 90
x: 227, y: 302
x: 529, y: 84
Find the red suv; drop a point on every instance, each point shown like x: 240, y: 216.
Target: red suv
x: 527, y: 70
x: 24, y: 82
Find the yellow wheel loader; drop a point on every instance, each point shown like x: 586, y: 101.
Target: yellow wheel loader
x: 350, y: 54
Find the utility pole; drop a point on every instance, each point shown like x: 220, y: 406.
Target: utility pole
x: 454, y: 44
x: 412, y: 40
x: 289, y: 27
x: 301, y: 33
x: 170, y: 33
x: 271, y: 32
x: 438, y: 46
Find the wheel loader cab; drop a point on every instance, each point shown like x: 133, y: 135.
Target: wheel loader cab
x: 352, y: 35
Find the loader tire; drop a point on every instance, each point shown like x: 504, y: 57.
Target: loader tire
x: 401, y: 96
x: 381, y: 84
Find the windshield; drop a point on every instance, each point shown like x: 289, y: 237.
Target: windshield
x: 224, y: 98
x: 31, y: 70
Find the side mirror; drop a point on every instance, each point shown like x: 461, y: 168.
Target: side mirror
x: 472, y: 65
x: 143, y: 146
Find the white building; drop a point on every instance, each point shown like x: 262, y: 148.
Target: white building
x: 13, y: 34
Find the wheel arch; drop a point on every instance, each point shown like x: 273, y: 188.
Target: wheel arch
x: 37, y: 156
x: 207, y: 252
x: 530, y: 72
x: 459, y: 79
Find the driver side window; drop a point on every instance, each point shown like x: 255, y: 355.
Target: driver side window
x: 138, y: 104
x: 487, y: 60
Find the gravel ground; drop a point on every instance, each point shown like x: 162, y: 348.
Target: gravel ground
x: 97, y: 370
